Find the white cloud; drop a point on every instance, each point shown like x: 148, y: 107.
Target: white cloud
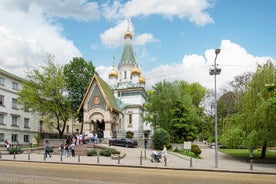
x: 26, y: 37
x: 82, y: 10
x: 114, y: 37
x: 193, y: 10
x: 233, y: 60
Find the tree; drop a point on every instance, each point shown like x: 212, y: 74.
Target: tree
x: 260, y: 115
x: 78, y: 74
x: 175, y: 107
x: 45, y: 92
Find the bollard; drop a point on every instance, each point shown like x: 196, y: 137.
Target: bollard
x: 61, y: 156
x: 29, y: 156
x: 141, y: 156
x: 251, y: 164
x: 14, y: 155
x: 0, y: 155
x: 165, y: 160
x: 119, y: 159
x: 145, y: 154
x: 44, y: 158
x: 98, y: 158
x: 78, y: 158
x: 191, y: 162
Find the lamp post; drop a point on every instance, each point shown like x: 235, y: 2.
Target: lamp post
x: 216, y: 71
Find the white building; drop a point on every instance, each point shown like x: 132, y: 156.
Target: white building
x: 116, y: 106
x: 16, y: 125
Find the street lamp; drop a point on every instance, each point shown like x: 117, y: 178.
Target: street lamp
x: 216, y: 71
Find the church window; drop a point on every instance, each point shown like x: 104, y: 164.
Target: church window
x: 130, y: 119
x: 125, y: 74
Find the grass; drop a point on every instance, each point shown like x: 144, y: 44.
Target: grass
x: 243, y: 154
x: 187, y: 153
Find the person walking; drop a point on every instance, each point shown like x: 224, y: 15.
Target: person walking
x: 164, y: 153
x: 146, y: 142
x: 66, y: 148
x: 47, y: 149
x: 72, y: 148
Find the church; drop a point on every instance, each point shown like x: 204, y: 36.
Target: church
x: 115, y: 107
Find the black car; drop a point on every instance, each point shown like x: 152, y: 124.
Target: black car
x: 123, y: 142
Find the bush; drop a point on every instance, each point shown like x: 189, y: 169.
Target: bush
x: 159, y: 138
x: 91, y: 152
x: 129, y: 134
x: 195, y: 149
x: 108, y: 151
x: 15, y: 150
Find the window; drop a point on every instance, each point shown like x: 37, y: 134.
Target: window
x: 14, y: 103
x: 26, y: 123
x: 67, y: 128
x: 2, y: 137
x: 26, y: 138
x: 2, y: 81
x: 14, y: 138
x: 15, y: 85
x: 130, y: 119
x: 125, y: 74
x: 14, y: 120
x: 1, y: 100
x: 2, y: 119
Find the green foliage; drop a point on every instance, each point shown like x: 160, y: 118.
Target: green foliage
x: 92, y: 152
x: 175, y: 107
x: 108, y: 151
x: 15, y: 150
x: 196, y: 150
x: 37, y: 138
x: 44, y: 92
x: 159, y: 138
x: 129, y: 134
x: 77, y: 75
x: 252, y: 123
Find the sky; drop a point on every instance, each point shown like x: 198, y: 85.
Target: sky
x: 172, y: 39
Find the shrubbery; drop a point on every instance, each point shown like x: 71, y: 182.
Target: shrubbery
x: 108, y: 151
x: 15, y: 150
x: 92, y: 152
x: 196, y: 150
x: 159, y: 138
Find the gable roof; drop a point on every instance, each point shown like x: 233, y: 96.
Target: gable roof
x: 106, y: 92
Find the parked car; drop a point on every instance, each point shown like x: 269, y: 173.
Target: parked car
x: 123, y: 142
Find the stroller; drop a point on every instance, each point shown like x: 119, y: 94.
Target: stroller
x: 155, y: 156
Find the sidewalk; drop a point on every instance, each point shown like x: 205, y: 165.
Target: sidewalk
x: 175, y: 161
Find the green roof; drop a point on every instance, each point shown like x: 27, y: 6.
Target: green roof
x: 110, y: 98
x: 128, y: 56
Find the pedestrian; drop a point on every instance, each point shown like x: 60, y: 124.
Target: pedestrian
x: 7, y: 145
x: 91, y: 137
x: 164, y: 153
x: 72, y: 148
x: 146, y: 142
x: 61, y: 149
x: 47, y: 149
x: 66, y: 149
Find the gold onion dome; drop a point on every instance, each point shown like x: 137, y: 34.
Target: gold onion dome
x: 142, y: 80
x: 128, y: 34
x: 135, y: 70
x: 113, y: 73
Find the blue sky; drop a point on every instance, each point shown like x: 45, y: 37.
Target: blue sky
x: 173, y: 39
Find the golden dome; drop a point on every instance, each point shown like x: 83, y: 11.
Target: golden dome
x: 113, y: 72
x: 135, y: 70
x: 128, y: 34
x: 142, y: 80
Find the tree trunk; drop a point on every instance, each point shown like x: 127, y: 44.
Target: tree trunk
x: 263, y: 151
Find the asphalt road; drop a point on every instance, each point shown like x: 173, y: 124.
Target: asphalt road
x: 52, y: 173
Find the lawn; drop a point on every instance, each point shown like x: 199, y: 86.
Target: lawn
x: 243, y: 154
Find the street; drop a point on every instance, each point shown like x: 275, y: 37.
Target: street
x: 51, y: 173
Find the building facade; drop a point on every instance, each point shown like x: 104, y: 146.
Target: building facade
x: 16, y: 125
x: 116, y: 106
